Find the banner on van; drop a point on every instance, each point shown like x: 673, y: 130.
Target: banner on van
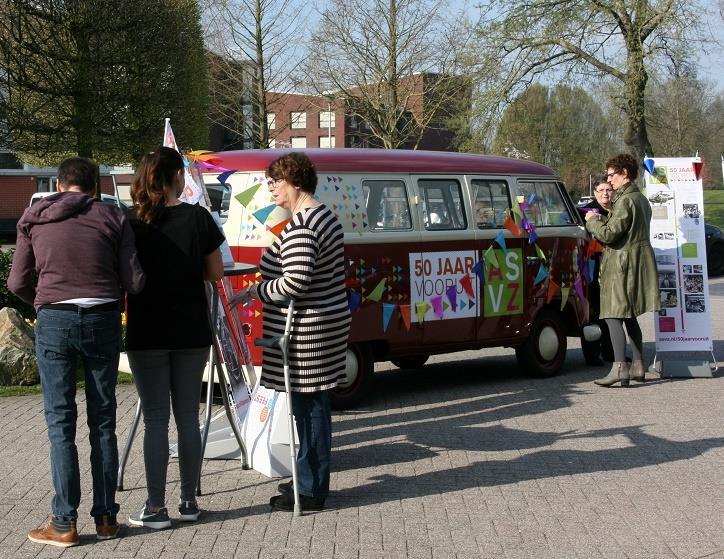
x: 674, y: 189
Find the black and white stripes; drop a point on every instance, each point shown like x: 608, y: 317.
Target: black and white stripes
x: 307, y: 264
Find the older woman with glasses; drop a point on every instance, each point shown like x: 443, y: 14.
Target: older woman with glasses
x: 306, y: 264
x: 628, y: 275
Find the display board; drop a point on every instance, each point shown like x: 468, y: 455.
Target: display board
x: 673, y: 187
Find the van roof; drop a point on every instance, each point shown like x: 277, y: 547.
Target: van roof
x: 385, y: 161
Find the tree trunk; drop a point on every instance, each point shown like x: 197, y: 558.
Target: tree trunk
x: 636, y: 136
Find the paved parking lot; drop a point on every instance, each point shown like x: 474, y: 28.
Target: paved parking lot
x: 466, y: 458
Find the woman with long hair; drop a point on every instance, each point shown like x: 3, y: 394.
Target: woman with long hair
x: 168, y: 333
x: 628, y: 275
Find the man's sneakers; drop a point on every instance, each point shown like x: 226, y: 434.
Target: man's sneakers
x: 157, y: 520
x: 107, y: 527
x: 188, y: 511
x: 60, y: 533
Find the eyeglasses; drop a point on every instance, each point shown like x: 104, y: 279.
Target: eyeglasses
x: 608, y: 176
x: 604, y: 190
x: 272, y: 184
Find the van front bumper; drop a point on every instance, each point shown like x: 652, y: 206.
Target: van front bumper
x: 591, y: 332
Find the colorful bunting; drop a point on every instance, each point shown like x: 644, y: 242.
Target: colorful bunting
x: 698, y: 166
x: 452, y: 295
x: 511, y: 226
x: 540, y: 253
x: 533, y: 236
x: 578, y: 285
x: 525, y: 224
x: 378, y: 291
x: 421, y: 309
x: 223, y: 176
x: 387, y: 309
x: 500, y: 239
x: 649, y: 164
x: 467, y: 286
x: 516, y: 209
x: 437, y: 306
x: 354, y: 299
x: 245, y: 197
x: 542, y: 274
x: 523, y: 205
x: 552, y: 288
x: 591, y: 269
x: 405, y: 314
x: 479, y: 270
x: 490, y: 257
x: 565, y: 291
x: 532, y: 198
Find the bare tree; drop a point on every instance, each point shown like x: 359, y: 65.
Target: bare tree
x: 384, y: 57
x: 520, y: 40
x: 254, y: 49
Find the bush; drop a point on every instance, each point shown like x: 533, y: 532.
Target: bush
x: 7, y: 299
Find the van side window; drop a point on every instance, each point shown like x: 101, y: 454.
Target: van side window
x: 491, y: 202
x: 443, y: 207
x: 387, y: 205
x: 547, y: 207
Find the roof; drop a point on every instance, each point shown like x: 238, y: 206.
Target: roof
x: 385, y: 161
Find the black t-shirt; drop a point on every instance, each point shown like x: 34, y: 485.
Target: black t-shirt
x: 172, y: 312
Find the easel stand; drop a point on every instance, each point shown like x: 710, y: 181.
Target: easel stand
x: 214, y: 367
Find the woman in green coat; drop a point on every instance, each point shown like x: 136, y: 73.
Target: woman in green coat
x: 628, y: 276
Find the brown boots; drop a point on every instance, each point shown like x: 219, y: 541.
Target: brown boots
x: 56, y: 532
x: 619, y: 373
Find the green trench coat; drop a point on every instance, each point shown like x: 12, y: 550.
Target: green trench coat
x: 628, y: 276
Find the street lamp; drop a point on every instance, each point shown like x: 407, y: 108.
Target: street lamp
x: 329, y: 98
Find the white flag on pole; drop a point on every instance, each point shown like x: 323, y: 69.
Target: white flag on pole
x: 192, y: 192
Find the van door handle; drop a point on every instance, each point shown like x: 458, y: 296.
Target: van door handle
x: 530, y: 260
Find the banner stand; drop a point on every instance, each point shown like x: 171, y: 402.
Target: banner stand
x: 675, y: 364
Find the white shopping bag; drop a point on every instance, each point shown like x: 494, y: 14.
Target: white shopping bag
x: 265, y: 433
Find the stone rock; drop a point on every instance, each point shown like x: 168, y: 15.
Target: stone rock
x: 18, y: 365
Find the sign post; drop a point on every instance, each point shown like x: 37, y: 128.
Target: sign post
x: 673, y: 187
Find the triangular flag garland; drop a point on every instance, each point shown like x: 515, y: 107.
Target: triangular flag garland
x: 552, y: 289
x: 500, y: 239
x: 542, y: 274
x: 578, y: 285
x: 421, y: 309
x: 490, y: 257
x: 437, y: 306
x: 479, y: 270
x: 467, y: 286
x: 698, y: 166
x: 354, y: 299
x: 511, y: 226
x: 564, y: 296
x: 387, y: 310
x: 405, y: 314
x: 452, y: 295
x: 649, y: 165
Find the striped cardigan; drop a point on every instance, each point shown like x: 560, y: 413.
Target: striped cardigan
x: 307, y: 265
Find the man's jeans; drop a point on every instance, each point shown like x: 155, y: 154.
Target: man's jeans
x: 313, y: 417
x: 61, y: 337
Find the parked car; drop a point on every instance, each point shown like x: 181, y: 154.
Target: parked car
x: 107, y: 198
x: 714, y: 249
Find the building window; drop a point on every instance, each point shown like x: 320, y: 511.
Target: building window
x: 271, y: 121
x: 326, y: 119
x: 298, y: 119
x: 300, y: 142
x: 324, y: 142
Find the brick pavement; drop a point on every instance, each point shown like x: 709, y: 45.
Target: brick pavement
x: 464, y: 459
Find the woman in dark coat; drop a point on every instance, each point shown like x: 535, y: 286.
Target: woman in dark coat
x: 628, y: 276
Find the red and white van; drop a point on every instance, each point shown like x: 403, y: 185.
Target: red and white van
x: 418, y: 228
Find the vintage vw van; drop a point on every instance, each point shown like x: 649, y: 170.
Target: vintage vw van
x: 431, y: 267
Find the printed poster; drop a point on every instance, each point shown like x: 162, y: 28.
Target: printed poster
x: 674, y: 190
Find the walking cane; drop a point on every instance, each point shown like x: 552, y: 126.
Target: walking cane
x: 282, y: 342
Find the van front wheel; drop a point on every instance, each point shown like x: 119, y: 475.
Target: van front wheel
x: 358, y: 382
x: 544, y: 351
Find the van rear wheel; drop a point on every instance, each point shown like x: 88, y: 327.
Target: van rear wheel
x: 410, y: 361
x: 544, y: 351
x: 358, y: 384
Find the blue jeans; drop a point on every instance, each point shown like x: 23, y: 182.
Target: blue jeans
x: 313, y: 417
x: 61, y: 338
